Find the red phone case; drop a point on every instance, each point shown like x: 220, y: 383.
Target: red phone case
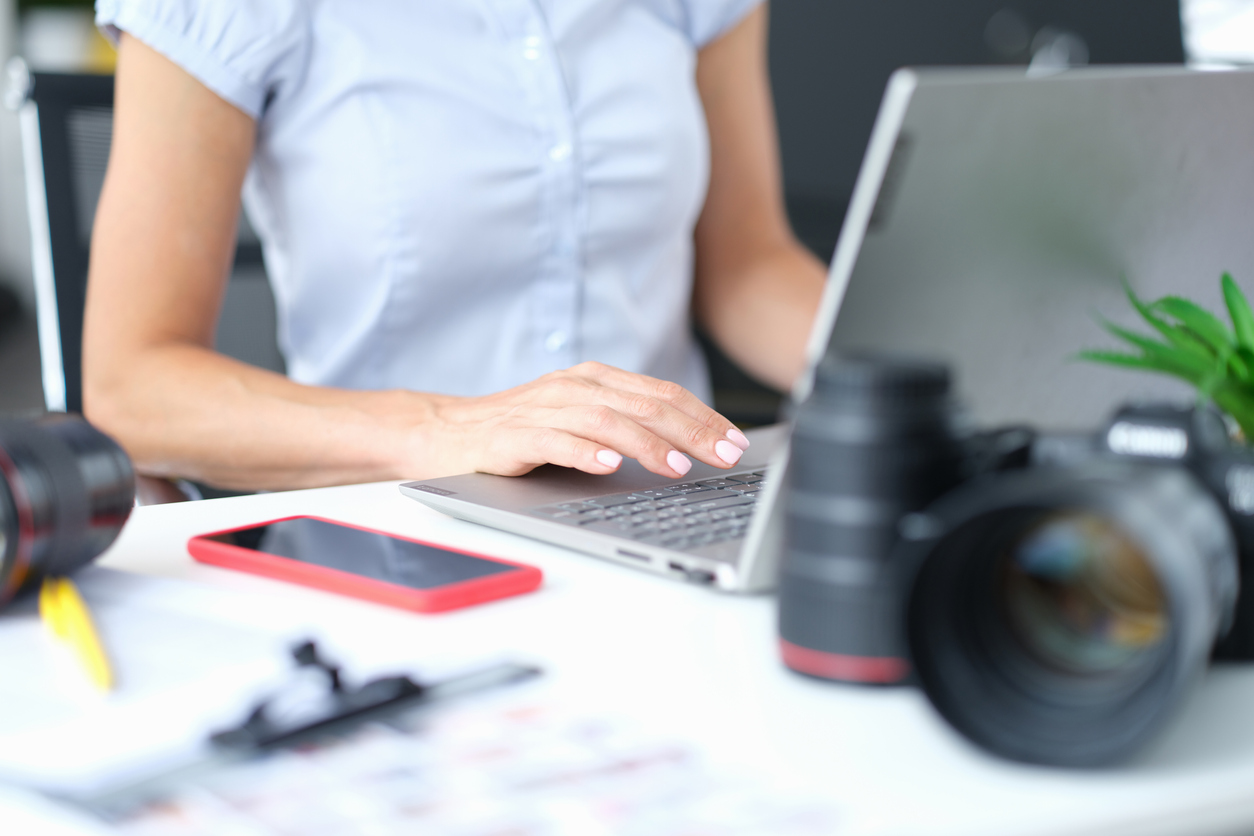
x: 522, y: 579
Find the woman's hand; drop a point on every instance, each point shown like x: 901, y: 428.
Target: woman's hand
x: 586, y: 417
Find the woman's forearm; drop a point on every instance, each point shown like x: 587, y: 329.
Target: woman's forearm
x: 760, y: 312
x: 182, y: 410
x: 756, y: 288
x: 185, y: 411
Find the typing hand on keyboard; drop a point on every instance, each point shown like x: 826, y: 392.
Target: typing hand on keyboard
x: 587, y: 417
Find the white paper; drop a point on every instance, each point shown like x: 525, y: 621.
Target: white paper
x: 182, y: 669
x: 520, y: 762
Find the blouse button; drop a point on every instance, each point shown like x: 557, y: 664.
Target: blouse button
x: 555, y: 342
x: 559, y: 152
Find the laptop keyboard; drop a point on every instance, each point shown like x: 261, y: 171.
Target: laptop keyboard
x: 677, y: 516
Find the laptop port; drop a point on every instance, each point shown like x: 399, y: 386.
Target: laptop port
x: 635, y: 555
x: 701, y: 576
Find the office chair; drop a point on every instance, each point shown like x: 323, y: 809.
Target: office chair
x: 66, y: 126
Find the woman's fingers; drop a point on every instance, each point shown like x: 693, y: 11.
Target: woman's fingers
x: 670, y: 411
x: 619, y: 432
x: 590, y: 416
x: 593, y: 439
x: 522, y: 449
x: 665, y: 391
x: 676, y: 427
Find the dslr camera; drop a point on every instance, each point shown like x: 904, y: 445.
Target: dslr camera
x: 1054, y: 595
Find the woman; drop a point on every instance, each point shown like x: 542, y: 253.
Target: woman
x: 485, y: 222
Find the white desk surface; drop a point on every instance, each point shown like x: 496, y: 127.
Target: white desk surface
x: 702, y: 665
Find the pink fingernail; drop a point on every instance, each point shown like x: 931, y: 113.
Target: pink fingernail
x: 738, y: 438
x: 609, y: 458
x: 728, y: 452
x: 678, y: 462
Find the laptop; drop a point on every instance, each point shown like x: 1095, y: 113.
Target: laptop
x: 993, y: 216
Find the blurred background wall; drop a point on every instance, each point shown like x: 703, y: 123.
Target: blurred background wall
x: 829, y: 59
x: 50, y: 35
x: 53, y: 35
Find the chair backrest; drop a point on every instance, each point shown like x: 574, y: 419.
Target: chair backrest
x: 67, y: 127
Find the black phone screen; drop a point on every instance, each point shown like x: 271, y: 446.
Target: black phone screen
x: 365, y: 553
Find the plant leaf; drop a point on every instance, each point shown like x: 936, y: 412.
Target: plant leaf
x: 1239, y: 310
x: 1198, y: 368
x: 1242, y: 363
x: 1197, y: 347
x: 1142, y: 362
x: 1179, y: 337
x: 1186, y: 340
x: 1200, y: 321
x: 1239, y: 404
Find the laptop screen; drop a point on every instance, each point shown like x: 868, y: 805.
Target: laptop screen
x: 1013, y: 208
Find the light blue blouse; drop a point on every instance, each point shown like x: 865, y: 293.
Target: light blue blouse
x: 458, y: 196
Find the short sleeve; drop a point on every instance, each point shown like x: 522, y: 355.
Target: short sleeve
x: 708, y: 19
x: 243, y: 50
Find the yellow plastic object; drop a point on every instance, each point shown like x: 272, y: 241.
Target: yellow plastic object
x: 67, y: 616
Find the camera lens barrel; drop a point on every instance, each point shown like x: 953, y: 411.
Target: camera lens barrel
x: 1059, y: 616
x: 66, y: 489
x: 874, y: 441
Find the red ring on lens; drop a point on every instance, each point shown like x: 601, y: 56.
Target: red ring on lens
x: 25, y: 528
x: 879, y: 670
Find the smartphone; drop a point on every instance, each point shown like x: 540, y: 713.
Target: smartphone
x: 364, y: 563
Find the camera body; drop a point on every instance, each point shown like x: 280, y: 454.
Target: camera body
x: 1055, y: 595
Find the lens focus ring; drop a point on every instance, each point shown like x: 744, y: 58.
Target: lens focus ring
x: 67, y: 490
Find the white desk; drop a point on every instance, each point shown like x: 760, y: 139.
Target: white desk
x: 703, y: 666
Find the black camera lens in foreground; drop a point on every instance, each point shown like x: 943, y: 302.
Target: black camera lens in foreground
x: 1081, y: 596
x: 65, y: 491
x: 1059, y: 616
x: 874, y: 441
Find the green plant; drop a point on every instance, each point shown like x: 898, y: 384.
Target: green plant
x: 1196, y: 346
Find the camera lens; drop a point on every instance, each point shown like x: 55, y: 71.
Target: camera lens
x: 65, y: 491
x: 874, y: 441
x: 1081, y: 596
x: 1059, y: 615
